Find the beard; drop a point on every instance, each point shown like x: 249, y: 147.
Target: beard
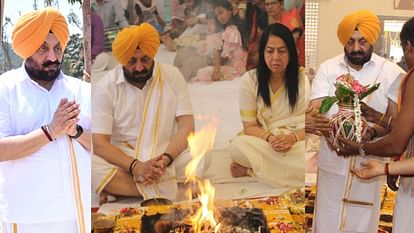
x: 359, y: 57
x: 37, y: 71
x: 138, y: 77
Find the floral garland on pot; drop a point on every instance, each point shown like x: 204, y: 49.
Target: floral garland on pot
x: 348, y: 122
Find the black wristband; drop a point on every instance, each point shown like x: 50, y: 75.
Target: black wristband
x: 46, y: 132
x: 132, y: 165
x: 79, y: 132
x: 169, y: 157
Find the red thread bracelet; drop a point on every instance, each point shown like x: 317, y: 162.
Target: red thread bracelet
x: 46, y: 132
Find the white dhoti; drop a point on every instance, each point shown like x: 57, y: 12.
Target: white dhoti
x: 103, y: 172
x: 404, y: 207
x: 52, y: 227
x: 270, y: 167
x: 329, y: 203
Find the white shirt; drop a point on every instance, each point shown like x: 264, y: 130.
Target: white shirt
x: 377, y: 69
x: 118, y: 106
x: 38, y: 187
x: 394, y: 90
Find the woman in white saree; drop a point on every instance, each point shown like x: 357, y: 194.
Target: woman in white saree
x: 273, y: 102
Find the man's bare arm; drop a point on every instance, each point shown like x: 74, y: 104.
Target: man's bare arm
x: 86, y: 140
x: 178, y: 142
x: 103, y: 148
x: 17, y: 147
x: 402, y: 131
x: 20, y: 146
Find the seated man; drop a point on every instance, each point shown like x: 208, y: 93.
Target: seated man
x: 148, y: 13
x: 142, y: 116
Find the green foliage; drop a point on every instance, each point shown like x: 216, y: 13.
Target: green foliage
x: 327, y: 104
x: 347, y: 126
x: 370, y: 90
x: 15, y: 60
x: 75, y: 1
x: 344, y: 94
x: 73, y: 63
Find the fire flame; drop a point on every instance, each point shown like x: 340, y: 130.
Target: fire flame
x: 203, y: 220
x: 199, y: 144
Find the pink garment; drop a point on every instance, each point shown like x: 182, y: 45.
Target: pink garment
x: 232, y: 49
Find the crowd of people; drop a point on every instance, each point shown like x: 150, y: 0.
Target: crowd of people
x: 233, y: 49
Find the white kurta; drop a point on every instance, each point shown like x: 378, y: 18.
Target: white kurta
x: 404, y: 204
x: 38, y: 188
x: 274, y: 168
x: 118, y: 111
x: 335, y: 168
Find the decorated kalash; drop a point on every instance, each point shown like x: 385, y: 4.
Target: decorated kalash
x: 386, y: 214
x: 277, y: 214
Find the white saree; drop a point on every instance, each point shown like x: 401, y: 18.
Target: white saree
x: 274, y: 168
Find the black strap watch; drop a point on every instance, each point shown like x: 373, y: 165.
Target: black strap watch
x: 79, y: 132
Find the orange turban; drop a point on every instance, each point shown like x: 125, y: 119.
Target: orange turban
x: 145, y: 37
x: 31, y: 30
x: 365, y: 21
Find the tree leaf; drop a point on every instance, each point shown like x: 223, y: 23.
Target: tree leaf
x: 370, y: 90
x: 327, y: 104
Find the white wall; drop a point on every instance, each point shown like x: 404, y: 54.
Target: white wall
x: 331, y: 12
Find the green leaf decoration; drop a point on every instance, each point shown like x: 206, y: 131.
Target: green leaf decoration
x: 370, y: 90
x: 327, y: 104
x: 342, y: 92
x: 347, y: 126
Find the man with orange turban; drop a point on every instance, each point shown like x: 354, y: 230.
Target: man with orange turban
x: 44, y: 139
x: 142, y: 118
x: 345, y: 203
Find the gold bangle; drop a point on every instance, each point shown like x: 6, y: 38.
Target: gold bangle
x: 268, y: 136
x: 296, y: 136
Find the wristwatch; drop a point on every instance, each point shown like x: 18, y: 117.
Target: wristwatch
x: 79, y: 132
x: 361, y: 150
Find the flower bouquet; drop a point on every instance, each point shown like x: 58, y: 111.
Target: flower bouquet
x: 348, y: 122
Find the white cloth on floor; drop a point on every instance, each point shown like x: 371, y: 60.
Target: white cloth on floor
x: 48, y: 227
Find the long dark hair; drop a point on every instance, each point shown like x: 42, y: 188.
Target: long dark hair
x: 235, y: 19
x: 292, y: 69
x: 250, y: 10
x: 407, y: 32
